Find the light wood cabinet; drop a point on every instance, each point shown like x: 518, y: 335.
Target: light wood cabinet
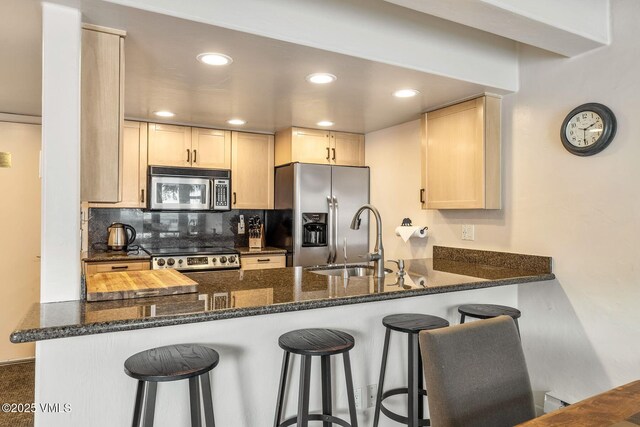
x: 134, y: 168
x: 184, y: 146
x: 169, y: 145
x: 252, y: 298
x: 211, y: 148
x: 91, y: 268
x: 261, y: 262
x: 102, y: 114
x: 252, y: 171
x: 319, y: 146
x: 461, y: 156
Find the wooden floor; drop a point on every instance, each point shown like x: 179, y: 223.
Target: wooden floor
x: 16, y: 386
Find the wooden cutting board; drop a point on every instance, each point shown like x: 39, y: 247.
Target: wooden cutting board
x: 138, y: 284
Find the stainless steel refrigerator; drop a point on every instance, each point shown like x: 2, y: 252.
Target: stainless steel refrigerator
x: 314, y: 205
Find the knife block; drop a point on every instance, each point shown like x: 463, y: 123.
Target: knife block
x: 256, y: 241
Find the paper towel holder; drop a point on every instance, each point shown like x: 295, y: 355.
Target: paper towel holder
x: 406, y: 222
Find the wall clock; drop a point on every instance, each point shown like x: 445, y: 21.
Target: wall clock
x: 588, y: 129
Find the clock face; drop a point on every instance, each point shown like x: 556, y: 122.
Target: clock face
x: 584, y: 129
x: 588, y: 129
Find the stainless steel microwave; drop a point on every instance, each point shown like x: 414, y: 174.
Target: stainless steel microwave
x: 188, y: 189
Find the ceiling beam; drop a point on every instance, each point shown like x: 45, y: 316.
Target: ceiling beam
x: 567, y: 27
x: 376, y: 31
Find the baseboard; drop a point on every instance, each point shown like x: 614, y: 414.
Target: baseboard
x: 17, y: 361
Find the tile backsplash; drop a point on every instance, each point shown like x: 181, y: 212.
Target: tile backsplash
x: 172, y: 229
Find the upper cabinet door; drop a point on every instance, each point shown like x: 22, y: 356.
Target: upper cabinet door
x: 170, y: 145
x: 347, y: 149
x: 211, y: 148
x: 310, y: 146
x: 461, y: 160
x: 252, y: 159
x: 102, y: 83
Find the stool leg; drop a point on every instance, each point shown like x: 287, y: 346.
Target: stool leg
x: 194, y: 400
x: 412, y: 413
x: 303, y: 396
x: 350, y: 394
x: 207, y: 400
x: 420, y: 384
x: 462, y: 317
x: 137, y: 409
x: 281, y: 388
x: 149, y: 403
x: 326, y: 388
x: 383, y: 368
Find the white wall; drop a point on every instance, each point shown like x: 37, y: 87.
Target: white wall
x: 581, y: 332
x: 87, y: 372
x: 60, y: 269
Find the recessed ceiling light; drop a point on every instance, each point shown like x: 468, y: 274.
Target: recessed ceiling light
x: 325, y: 123
x: 215, y: 58
x: 321, y: 78
x: 163, y: 113
x: 405, y: 93
x: 236, y: 122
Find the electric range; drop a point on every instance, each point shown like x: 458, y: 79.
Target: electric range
x: 194, y: 258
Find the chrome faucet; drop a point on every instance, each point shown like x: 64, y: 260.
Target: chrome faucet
x: 377, y: 256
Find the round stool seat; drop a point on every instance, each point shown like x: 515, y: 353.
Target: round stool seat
x: 488, y: 311
x: 171, y: 363
x: 412, y: 323
x: 316, y: 342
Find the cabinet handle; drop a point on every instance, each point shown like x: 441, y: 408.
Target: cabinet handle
x: 422, y: 195
x: 234, y: 198
x: 119, y: 267
x: 142, y: 196
x: 333, y: 151
x: 327, y: 153
x: 188, y: 156
x: 264, y: 259
x: 195, y: 156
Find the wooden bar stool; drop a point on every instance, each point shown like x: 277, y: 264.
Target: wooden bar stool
x: 173, y: 363
x: 488, y: 311
x: 309, y: 343
x: 410, y: 324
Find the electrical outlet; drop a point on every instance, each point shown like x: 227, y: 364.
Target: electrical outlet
x: 241, y: 225
x: 358, y: 398
x: 468, y: 232
x: 372, y: 393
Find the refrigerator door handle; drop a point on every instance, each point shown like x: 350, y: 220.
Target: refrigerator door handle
x: 335, y: 229
x: 330, y: 227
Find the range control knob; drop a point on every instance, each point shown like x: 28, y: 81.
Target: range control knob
x: 180, y: 261
x: 171, y: 261
x: 223, y: 259
x: 232, y: 259
x: 213, y: 260
x: 161, y: 262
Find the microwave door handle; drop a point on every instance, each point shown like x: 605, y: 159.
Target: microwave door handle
x: 212, y: 192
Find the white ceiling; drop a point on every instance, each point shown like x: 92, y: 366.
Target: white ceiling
x: 265, y: 85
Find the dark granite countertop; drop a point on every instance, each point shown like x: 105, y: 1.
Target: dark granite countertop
x: 105, y: 255
x: 264, y: 251
x: 230, y: 294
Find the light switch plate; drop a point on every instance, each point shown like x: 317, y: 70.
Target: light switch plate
x: 468, y: 232
x: 241, y: 225
x: 372, y: 393
x: 358, y: 398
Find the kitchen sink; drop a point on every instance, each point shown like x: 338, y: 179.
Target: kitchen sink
x: 352, y: 271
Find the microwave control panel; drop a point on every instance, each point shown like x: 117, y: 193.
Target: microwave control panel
x: 221, y: 194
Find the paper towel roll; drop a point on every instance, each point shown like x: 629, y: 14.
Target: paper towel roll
x: 408, y: 232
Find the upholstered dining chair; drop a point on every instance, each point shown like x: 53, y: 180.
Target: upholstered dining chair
x: 476, y: 375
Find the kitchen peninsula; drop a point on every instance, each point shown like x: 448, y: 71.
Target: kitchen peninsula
x: 247, y: 339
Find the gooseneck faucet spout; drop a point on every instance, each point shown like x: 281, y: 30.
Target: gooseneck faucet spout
x: 377, y: 256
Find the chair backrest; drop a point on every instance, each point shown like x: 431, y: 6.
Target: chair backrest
x: 476, y: 375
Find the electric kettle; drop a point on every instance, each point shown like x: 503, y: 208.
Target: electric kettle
x: 119, y: 237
